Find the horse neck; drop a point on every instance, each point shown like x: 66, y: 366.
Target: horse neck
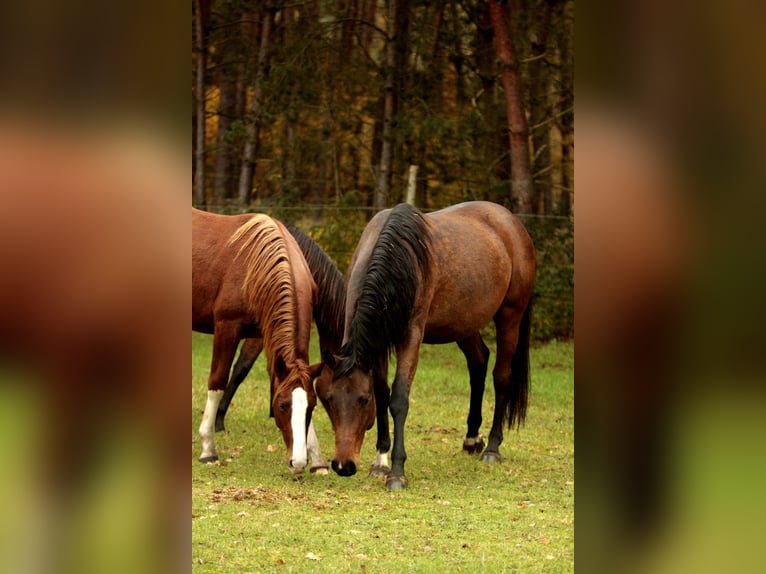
x: 329, y: 311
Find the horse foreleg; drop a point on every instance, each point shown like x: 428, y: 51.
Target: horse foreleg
x: 477, y: 357
x: 380, y: 465
x: 406, y: 364
x: 225, y: 342
x: 400, y: 406
x: 248, y: 354
x: 318, y: 462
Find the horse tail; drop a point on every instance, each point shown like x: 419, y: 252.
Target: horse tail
x: 517, y: 405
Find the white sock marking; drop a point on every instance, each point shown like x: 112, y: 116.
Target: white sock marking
x: 207, y: 426
x: 317, y: 460
x: 299, y: 456
x: 381, y: 459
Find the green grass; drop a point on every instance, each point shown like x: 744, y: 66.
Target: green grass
x: 250, y: 514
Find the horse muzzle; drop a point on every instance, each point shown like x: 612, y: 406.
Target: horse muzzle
x: 347, y: 468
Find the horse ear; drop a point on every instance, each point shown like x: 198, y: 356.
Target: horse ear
x: 315, y: 370
x: 329, y: 359
x: 280, y: 368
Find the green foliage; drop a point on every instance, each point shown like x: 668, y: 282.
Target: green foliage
x: 339, y: 233
x: 553, y: 303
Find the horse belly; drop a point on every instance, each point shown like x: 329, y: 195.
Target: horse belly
x: 454, y: 316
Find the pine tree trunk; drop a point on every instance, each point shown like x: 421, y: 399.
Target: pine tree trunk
x: 202, y: 8
x: 522, y: 192
x: 566, y: 50
x: 225, y: 152
x: 541, y: 107
x: 251, y: 135
x: 380, y: 200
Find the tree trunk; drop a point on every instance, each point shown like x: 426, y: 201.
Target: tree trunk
x: 251, y: 132
x: 395, y: 62
x: 202, y: 10
x: 522, y: 193
x: 540, y: 106
x: 291, y: 109
x: 494, y: 144
x: 431, y: 91
x: 225, y: 151
x: 566, y: 51
x: 380, y: 200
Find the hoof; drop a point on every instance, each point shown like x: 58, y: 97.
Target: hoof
x: 379, y: 471
x: 208, y: 459
x: 323, y: 470
x: 396, y: 483
x: 473, y: 446
x: 219, y: 427
x: 490, y: 457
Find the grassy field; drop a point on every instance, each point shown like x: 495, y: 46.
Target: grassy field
x: 250, y: 514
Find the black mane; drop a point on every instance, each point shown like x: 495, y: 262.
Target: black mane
x: 329, y: 310
x: 399, y: 258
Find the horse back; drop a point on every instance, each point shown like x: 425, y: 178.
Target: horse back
x: 216, y: 281
x: 483, y: 259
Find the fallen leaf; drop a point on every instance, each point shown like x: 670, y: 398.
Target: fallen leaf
x: 271, y: 448
x: 312, y: 556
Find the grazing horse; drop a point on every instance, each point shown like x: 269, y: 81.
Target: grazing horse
x: 435, y: 278
x: 329, y: 303
x: 249, y: 279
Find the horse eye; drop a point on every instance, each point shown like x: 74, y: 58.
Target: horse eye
x: 284, y: 406
x: 364, y: 401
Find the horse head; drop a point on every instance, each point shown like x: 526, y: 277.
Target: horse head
x: 349, y: 400
x: 293, y: 402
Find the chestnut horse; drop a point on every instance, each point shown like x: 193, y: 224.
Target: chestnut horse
x: 435, y: 278
x: 329, y: 303
x: 249, y: 279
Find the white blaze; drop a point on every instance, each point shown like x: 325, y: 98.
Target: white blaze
x: 299, y: 457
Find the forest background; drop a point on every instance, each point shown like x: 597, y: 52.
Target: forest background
x: 322, y: 113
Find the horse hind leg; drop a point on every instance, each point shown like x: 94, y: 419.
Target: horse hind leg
x: 248, y: 354
x: 510, y: 376
x: 477, y: 357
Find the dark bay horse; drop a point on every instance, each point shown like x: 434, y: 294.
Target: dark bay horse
x: 435, y: 278
x: 249, y: 279
x: 328, y: 309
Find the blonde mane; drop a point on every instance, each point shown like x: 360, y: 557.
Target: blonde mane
x: 268, y: 285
